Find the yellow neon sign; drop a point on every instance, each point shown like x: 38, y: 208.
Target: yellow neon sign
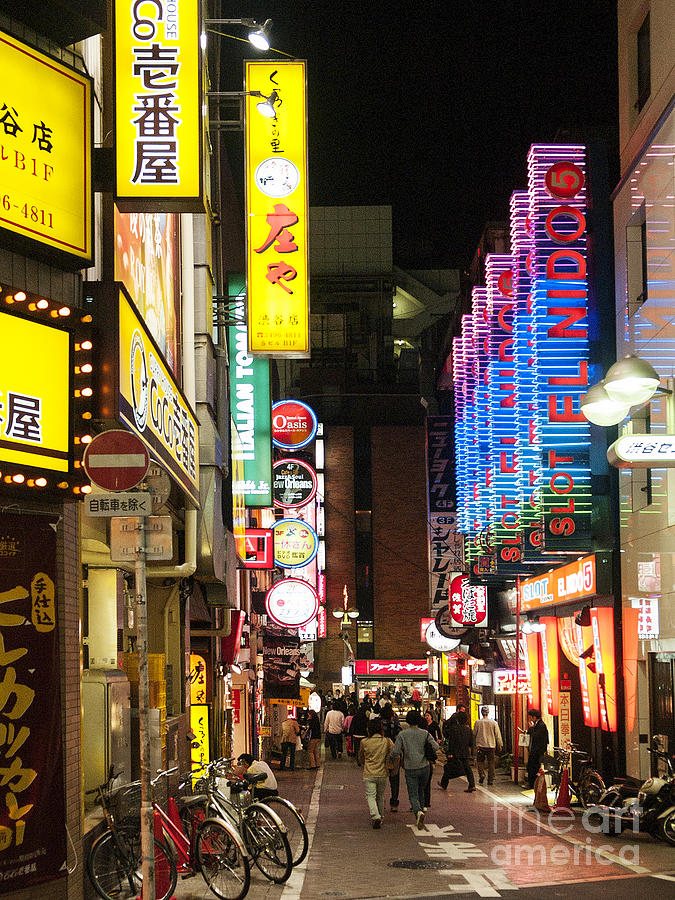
x: 34, y: 394
x: 157, y: 104
x: 45, y: 150
x: 277, y: 212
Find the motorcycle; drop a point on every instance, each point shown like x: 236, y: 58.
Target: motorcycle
x: 648, y: 807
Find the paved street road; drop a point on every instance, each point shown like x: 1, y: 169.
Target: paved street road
x: 475, y: 845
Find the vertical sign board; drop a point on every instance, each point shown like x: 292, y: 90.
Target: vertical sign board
x: 158, y: 110
x: 277, y: 211
x: 250, y: 407
x: 440, y: 469
x: 556, y: 184
x: 32, y: 808
x: 46, y: 198
x: 34, y: 410
x: 446, y: 557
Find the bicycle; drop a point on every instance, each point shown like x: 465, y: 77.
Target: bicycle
x: 588, y: 786
x: 114, y: 862
x: 210, y: 846
x: 294, y: 822
x: 262, y: 830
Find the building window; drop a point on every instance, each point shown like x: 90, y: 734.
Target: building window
x: 644, y: 82
x: 636, y: 261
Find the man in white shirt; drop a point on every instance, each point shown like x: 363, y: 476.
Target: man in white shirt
x: 488, y: 739
x: 249, y: 766
x: 332, y: 727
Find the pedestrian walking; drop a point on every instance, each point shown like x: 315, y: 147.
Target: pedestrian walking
x: 432, y: 728
x: 391, y: 727
x: 374, y: 754
x: 488, y: 740
x: 411, y: 745
x: 345, y: 728
x: 358, y: 729
x: 313, y: 733
x: 538, y: 733
x: 332, y: 727
x: 290, y: 729
x: 458, y: 750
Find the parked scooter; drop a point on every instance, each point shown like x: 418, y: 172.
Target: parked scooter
x: 650, y: 808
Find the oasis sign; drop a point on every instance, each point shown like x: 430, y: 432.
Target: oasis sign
x: 294, y: 424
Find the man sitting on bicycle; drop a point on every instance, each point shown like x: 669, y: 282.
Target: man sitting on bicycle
x: 249, y: 766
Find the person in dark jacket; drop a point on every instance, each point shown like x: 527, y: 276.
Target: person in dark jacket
x: 538, y: 733
x: 460, y: 742
x: 433, y: 729
x: 358, y: 729
x: 390, y: 729
x: 461, y: 709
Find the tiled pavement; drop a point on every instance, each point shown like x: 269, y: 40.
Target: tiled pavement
x: 485, y: 844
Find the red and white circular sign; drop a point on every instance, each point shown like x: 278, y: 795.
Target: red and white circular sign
x: 294, y: 424
x: 291, y: 603
x: 116, y: 460
x: 564, y: 180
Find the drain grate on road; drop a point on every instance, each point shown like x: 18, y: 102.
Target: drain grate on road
x: 421, y: 864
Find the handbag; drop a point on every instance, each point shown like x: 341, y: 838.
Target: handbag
x: 429, y: 752
x: 523, y: 739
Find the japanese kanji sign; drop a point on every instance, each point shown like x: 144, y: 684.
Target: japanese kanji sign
x: 157, y: 106
x: 34, y: 410
x: 46, y: 138
x: 277, y: 212
x: 446, y: 557
x: 468, y: 603
x: 32, y: 811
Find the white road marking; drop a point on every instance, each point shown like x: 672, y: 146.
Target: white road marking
x: 293, y: 887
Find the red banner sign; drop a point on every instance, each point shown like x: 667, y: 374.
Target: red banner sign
x: 411, y: 667
x: 468, y: 603
x: 32, y: 809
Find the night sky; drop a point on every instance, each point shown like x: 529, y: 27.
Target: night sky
x: 432, y: 106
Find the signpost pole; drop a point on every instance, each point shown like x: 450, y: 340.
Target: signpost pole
x: 147, y: 842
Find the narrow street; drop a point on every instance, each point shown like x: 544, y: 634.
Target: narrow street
x: 483, y: 845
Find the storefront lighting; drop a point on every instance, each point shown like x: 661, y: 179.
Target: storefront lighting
x: 18, y: 478
x: 64, y: 311
x: 86, y: 489
x: 236, y: 669
x: 20, y: 296
x: 260, y: 37
x: 266, y: 105
x: 41, y: 482
x: 601, y: 409
x: 42, y: 304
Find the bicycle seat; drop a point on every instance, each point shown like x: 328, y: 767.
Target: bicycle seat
x: 237, y: 787
x: 256, y: 778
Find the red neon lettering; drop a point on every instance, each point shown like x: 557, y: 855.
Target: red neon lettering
x: 500, y: 317
x: 534, y: 537
x: 567, y: 293
x: 571, y: 212
x: 568, y: 479
x: 510, y: 554
x: 554, y: 459
x: 580, y: 379
x: 551, y: 273
x: 504, y: 468
x: 510, y: 401
x: 503, y: 357
x: 564, y: 509
x: 532, y: 431
x: 515, y: 522
x: 508, y: 501
x: 562, y: 329
x: 562, y: 527
x: 566, y: 415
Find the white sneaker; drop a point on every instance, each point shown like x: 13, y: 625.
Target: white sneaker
x: 420, y: 821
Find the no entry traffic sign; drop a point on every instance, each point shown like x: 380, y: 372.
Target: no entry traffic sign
x: 116, y: 460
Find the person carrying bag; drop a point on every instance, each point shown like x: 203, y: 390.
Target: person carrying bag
x: 460, y: 742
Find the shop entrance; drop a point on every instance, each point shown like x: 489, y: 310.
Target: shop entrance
x: 662, y: 684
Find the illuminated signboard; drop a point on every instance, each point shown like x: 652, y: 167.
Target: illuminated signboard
x: 504, y: 681
x: 197, y: 679
x: 250, y: 406
x: 158, y: 114
x: 291, y: 603
x: 138, y: 389
x: 440, y: 464
x: 295, y: 543
x: 259, y: 548
x: 34, y: 409
x: 438, y: 641
x: 411, y: 668
x: 648, y: 617
x: 277, y: 211
x: 294, y: 424
x: 643, y: 451
x: 505, y: 454
x: 46, y: 114
x: 200, y: 753
x: 294, y: 483
x: 584, y: 578
x: 147, y: 262
x: 556, y: 184
x: 468, y: 603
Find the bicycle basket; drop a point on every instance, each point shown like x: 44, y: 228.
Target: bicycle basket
x: 125, y: 804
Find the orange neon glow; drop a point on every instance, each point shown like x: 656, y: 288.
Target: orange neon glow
x: 588, y: 679
x: 567, y: 637
x: 549, y: 646
x: 602, y: 622
x: 630, y: 658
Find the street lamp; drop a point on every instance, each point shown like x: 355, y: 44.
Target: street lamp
x: 258, y: 37
x: 629, y: 382
x: 345, y: 612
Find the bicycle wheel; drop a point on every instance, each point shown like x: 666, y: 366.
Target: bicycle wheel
x: 115, y: 870
x: 266, y: 839
x: 296, y: 830
x: 591, y: 789
x: 222, y: 860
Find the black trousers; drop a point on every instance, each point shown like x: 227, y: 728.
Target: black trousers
x: 287, y: 749
x: 533, y: 764
x: 468, y: 772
